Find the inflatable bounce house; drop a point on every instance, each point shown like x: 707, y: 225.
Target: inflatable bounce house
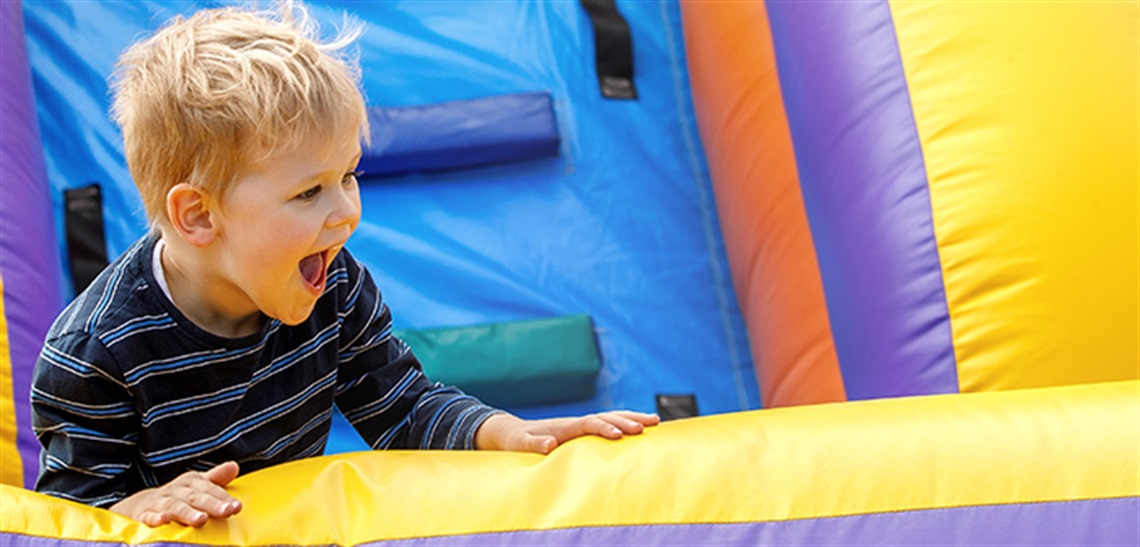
x: 878, y: 259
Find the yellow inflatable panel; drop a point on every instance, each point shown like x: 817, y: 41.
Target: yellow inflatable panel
x: 908, y: 464
x: 11, y: 468
x: 1029, y: 118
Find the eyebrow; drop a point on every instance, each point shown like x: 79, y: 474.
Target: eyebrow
x: 314, y: 177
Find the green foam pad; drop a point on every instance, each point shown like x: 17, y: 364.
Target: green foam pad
x: 517, y: 363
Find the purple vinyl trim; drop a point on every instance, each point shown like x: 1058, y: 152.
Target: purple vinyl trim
x: 865, y: 190
x: 28, y: 260
x: 1088, y: 522
x: 1104, y: 522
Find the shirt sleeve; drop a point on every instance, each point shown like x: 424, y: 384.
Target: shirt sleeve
x: 84, y: 418
x: 382, y: 389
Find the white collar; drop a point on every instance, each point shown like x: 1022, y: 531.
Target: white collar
x: 159, y: 273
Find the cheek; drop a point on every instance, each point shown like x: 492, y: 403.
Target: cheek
x: 279, y: 244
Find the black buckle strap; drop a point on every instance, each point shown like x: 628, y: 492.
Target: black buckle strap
x: 613, y: 49
x: 86, y: 243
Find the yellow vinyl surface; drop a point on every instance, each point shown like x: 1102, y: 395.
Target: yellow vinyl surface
x: 1028, y: 117
x: 1022, y: 446
x: 11, y: 468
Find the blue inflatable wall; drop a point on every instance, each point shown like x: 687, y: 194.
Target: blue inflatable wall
x: 619, y: 225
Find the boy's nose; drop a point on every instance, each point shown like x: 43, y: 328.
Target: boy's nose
x: 345, y: 209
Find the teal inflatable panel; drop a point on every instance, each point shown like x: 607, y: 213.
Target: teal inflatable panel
x: 515, y: 363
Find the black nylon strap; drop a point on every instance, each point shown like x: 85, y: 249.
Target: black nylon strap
x: 675, y: 407
x: 86, y: 245
x: 613, y: 49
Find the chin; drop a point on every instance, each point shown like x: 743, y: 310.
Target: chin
x: 296, y: 317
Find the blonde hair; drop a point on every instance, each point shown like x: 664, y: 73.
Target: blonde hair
x: 220, y: 91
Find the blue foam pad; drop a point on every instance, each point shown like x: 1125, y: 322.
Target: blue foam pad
x: 461, y: 134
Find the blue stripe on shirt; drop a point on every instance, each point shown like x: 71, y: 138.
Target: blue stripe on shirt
x: 114, y: 410
x: 128, y: 328
x: 301, y: 352
x: 252, y: 422
x: 140, y: 373
x: 196, y: 403
x: 382, y: 404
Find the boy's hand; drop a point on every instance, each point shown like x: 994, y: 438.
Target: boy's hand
x: 191, y: 499
x: 506, y: 432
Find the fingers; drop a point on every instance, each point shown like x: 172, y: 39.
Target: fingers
x: 542, y: 444
x: 222, y: 474
x: 211, y: 499
x: 206, y: 491
x: 154, y: 518
x: 173, y: 510
x: 609, y: 425
x: 194, y: 499
x: 639, y: 417
x: 543, y: 436
x: 191, y: 499
x: 615, y: 425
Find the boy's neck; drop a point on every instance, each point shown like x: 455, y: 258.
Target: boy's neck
x: 202, y: 295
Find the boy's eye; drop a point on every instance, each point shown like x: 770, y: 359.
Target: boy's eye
x: 310, y: 193
x: 352, y: 175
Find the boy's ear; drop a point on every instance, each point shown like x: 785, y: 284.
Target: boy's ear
x: 186, y: 207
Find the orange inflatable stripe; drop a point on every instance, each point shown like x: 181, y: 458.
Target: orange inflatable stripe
x: 740, y: 112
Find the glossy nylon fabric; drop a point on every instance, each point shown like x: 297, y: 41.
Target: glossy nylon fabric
x: 1029, y: 116
x: 11, y: 468
x: 460, y: 134
x: 744, y: 128
x: 28, y: 261
x: 515, y: 363
x: 865, y: 190
x: 1059, y: 523
x: 620, y: 225
x: 1009, y: 467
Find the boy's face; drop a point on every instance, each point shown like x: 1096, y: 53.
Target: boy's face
x: 281, y: 223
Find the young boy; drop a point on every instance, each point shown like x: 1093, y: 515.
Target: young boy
x: 226, y: 335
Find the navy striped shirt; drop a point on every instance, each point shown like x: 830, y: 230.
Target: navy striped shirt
x: 128, y: 393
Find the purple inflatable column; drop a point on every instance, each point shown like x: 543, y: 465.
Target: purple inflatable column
x: 864, y: 186
x: 29, y: 261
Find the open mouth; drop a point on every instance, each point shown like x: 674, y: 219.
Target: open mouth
x: 314, y: 271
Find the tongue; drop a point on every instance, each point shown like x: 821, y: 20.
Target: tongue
x: 312, y: 267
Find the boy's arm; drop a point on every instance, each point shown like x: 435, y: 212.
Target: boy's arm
x: 87, y: 425
x: 85, y: 419
x: 381, y: 387
x: 386, y: 396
